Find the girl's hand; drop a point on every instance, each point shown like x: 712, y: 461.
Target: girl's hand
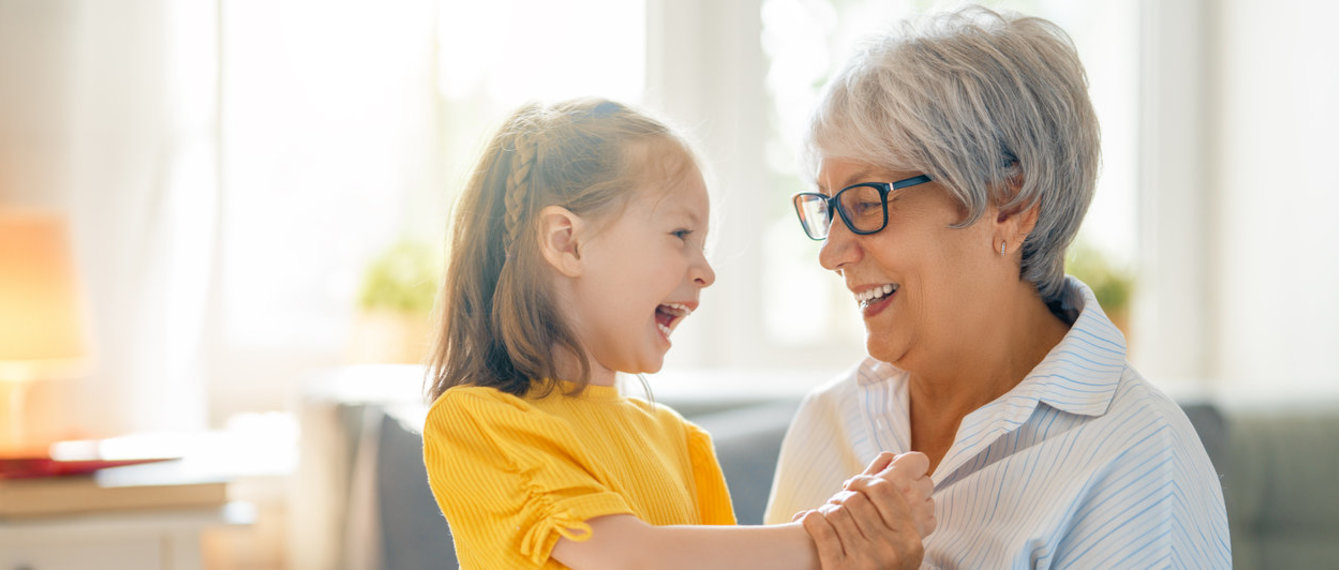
x: 879, y: 518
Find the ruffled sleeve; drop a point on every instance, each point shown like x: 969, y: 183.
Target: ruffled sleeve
x: 713, y: 496
x: 510, y: 479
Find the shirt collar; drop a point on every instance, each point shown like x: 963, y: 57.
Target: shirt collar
x: 1080, y: 374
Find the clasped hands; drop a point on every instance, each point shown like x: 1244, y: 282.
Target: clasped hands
x: 878, y: 518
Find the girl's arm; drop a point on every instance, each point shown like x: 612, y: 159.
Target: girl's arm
x: 624, y: 541
x: 880, y: 519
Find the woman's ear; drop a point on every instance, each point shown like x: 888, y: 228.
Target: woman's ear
x: 1016, y: 223
x: 559, y: 233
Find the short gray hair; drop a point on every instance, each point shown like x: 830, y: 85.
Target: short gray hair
x: 972, y: 98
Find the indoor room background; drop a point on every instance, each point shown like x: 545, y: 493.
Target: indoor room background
x: 257, y: 193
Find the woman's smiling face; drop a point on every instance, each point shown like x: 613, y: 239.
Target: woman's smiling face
x: 920, y: 283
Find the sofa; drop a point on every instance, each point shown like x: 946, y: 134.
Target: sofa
x: 1275, y: 461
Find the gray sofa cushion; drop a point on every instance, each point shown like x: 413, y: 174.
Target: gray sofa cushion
x: 1281, y: 493
x: 747, y: 442
x: 1278, y: 467
x: 414, y: 534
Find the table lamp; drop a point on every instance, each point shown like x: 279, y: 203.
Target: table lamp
x: 41, y: 316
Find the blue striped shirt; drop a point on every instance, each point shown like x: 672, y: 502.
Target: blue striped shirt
x: 1083, y: 464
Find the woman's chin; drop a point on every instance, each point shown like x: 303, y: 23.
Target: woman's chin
x: 881, y: 348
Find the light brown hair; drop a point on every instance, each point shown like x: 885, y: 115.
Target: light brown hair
x: 499, y: 324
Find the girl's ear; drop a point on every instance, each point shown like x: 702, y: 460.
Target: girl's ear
x: 559, y: 230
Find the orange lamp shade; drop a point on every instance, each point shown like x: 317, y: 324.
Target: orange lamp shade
x: 41, y: 320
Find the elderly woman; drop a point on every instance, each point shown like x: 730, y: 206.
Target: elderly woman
x: 954, y: 163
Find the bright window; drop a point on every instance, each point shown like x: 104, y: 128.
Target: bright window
x: 349, y: 126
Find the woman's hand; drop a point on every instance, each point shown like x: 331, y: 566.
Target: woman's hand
x: 909, y: 473
x: 879, y: 518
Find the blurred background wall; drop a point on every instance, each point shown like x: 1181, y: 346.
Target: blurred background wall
x: 234, y: 170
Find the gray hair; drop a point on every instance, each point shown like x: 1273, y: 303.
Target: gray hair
x: 973, y: 98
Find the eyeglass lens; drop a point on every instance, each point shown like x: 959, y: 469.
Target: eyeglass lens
x: 814, y: 215
x: 860, y: 206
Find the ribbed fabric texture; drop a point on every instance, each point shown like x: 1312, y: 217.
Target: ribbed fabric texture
x: 513, y: 475
x: 1084, y: 464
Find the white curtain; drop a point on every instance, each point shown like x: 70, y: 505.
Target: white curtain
x: 107, y: 113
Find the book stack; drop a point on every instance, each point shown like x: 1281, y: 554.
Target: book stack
x: 42, y: 485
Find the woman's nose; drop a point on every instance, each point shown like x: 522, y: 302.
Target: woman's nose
x: 839, y: 248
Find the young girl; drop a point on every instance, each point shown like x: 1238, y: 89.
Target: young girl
x: 576, y: 251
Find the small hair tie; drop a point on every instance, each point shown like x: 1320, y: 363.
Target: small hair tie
x: 605, y: 109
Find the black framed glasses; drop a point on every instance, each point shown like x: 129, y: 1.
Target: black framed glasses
x: 863, y: 207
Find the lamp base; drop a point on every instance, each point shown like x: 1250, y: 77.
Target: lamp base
x: 12, y: 437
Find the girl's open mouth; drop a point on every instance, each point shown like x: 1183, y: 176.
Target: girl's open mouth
x: 668, y: 316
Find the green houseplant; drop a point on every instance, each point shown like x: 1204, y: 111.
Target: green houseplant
x: 395, y: 302
x: 1112, y: 283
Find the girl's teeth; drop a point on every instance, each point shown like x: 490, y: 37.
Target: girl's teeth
x: 680, y: 308
x: 675, y: 311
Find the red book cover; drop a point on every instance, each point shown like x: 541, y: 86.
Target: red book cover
x: 33, y: 467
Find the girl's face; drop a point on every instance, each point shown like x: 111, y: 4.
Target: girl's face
x: 921, y: 285
x: 642, y: 273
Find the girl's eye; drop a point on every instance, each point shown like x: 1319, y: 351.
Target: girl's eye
x: 681, y: 234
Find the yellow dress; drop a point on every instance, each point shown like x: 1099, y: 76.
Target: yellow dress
x: 512, y: 475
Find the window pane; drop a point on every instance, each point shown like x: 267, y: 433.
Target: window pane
x: 349, y: 127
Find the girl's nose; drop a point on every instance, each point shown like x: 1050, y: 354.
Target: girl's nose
x: 702, y: 273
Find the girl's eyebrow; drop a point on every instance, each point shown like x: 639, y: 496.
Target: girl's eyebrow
x: 690, y: 214
x: 684, y: 211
